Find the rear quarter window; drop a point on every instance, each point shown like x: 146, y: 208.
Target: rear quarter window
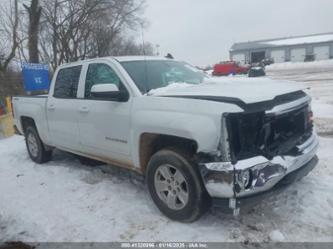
x: 67, y: 82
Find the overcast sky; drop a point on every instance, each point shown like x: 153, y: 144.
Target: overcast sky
x: 202, y: 31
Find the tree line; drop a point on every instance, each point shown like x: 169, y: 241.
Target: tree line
x: 61, y: 31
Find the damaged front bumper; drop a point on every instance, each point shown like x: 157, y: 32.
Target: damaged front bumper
x: 255, y: 175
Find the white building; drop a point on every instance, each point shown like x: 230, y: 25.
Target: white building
x: 300, y: 48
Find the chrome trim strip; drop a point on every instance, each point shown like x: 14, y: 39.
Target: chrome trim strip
x: 290, y: 106
x: 307, y: 143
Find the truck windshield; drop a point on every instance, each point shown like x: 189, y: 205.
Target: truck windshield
x: 153, y: 74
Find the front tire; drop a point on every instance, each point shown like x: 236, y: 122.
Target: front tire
x: 175, y: 186
x: 35, y: 146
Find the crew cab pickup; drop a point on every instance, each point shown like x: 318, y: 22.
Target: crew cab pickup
x: 197, y: 140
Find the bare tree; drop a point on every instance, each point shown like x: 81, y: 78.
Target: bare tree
x: 9, y: 20
x: 74, y: 30
x: 34, y: 11
x: 113, y: 23
x: 62, y: 31
x: 128, y: 46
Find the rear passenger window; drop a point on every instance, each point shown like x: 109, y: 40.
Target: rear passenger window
x: 67, y: 82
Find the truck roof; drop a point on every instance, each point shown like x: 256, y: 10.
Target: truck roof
x: 138, y: 58
x: 118, y: 58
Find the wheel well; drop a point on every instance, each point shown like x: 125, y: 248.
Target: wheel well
x: 151, y: 143
x: 29, y: 122
x: 26, y: 122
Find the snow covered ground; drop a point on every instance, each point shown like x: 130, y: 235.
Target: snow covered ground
x: 65, y: 201
x: 318, y: 78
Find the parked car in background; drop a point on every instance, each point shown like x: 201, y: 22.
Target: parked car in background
x: 195, y: 139
x: 256, y: 71
x: 229, y: 67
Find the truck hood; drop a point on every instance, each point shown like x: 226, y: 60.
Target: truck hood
x: 248, y: 90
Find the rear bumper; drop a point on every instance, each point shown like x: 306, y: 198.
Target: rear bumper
x: 225, y: 180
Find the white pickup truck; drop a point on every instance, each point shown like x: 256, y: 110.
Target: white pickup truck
x: 197, y: 140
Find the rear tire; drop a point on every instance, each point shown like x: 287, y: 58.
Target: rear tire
x: 175, y: 186
x: 35, y: 146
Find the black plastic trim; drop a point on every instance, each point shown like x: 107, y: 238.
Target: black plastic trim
x: 253, y: 107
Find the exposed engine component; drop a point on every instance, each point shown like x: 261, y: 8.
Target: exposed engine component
x: 257, y: 133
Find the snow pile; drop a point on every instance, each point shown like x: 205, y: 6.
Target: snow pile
x: 276, y: 236
x: 233, y: 87
x: 209, y: 72
x: 322, y: 110
x: 317, y: 76
x: 171, y: 86
x: 300, y: 65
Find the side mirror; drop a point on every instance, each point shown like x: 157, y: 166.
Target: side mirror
x: 105, y: 91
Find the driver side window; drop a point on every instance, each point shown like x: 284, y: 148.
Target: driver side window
x: 100, y: 73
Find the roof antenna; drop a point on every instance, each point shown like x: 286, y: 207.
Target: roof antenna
x: 145, y: 59
x: 169, y: 56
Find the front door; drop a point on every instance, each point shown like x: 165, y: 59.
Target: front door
x: 104, y: 124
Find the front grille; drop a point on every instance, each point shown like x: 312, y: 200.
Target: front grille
x: 286, y: 131
x: 253, y: 134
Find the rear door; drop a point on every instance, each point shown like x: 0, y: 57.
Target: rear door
x: 62, y: 107
x: 104, y: 124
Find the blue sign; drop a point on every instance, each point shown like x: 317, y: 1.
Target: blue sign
x: 35, y: 77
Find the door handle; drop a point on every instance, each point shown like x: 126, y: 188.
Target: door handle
x: 84, y: 109
x: 51, y: 107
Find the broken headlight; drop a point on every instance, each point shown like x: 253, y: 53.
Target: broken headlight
x: 244, y: 178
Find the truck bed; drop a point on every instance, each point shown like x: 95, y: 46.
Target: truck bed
x: 33, y: 107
